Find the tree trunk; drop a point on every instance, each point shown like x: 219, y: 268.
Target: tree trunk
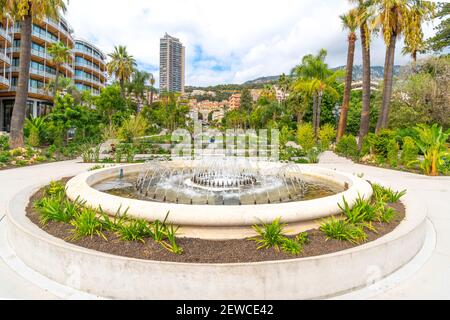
x: 365, y: 111
x: 383, y: 118
x: 151, y: 96
x: 319, y: 106
x: 314, y: 120
x: 122, y: 88
x: 20, y: 104
x: 299, y: 117
x: 348, y: 86
x: 56, y: 81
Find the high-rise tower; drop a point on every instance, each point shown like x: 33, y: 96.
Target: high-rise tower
x: 172, y: 65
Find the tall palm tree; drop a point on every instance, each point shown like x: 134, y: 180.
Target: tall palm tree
x: 364, y: 13
x: 121, y: 66
x: 393, y: 18
x: 60, y: 55
x: 350, y: 22
x: 24, y: 12
x: 315, y: 78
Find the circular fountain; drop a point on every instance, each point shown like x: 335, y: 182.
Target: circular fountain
x: 219, y: 182
x: 219, y: 198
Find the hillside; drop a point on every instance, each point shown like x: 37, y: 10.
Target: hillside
x: 377, y: 73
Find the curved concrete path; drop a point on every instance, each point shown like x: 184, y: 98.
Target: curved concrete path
x: 427, y: 277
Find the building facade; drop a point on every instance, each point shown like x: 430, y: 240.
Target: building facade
x: 171, y: 65
x: 90, y: 67
x: 88, y: 74
x: 234, y: 102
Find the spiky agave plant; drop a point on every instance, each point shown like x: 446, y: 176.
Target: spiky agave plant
x: 269, y: 234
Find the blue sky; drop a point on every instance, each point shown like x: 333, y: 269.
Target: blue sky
x: 226, y: 41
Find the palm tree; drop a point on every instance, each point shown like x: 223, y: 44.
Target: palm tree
x: 138, y: 85
x: 393, y: 18
x: 60, y: 55
x: 152, y: 87
x: 24, y: 12
x: 414, y: 41
x: 350, y: 22
x: 315, y: 78
x: 364, y: 13
x: 121, y: 66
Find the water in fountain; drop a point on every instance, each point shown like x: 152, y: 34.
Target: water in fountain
x: 221, y: 181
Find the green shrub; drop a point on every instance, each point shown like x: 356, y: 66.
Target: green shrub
x: 270, y: 235
x: 125, y: 149
x: 410, y: 152
x: 4, y: 156
x: 432, y: 142
x: 387, y: 215
x: 327, y: 133
x: 392, y: 154
x: 55, y: 188
x: 362, y: 211
x: 343, y: 230
x: 114, y: 223
x: 87, y: 152
x: 348, y: 147
x: 132, y: 128
x: 50, y: 152
x: 86, y: 224
x: 33, y: 138
x: 171, y: 243
x: 291, y: 246
x: 367, y: 143
x: 313, y: 155
x: 55, y: 208
x: 134, y: 230
x: 381, y: 144
x: 302, y: 238
x: 386, y: 194
x: 4, y: 142
x: 305, y: 136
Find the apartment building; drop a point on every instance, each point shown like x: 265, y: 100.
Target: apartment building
x: 172, y: 65
x: 234, y: 102
x: 85, y: 67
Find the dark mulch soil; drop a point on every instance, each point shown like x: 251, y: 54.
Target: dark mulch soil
x: 206, y: 251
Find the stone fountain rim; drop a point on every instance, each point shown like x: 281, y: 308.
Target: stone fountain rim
x: 80, y: 187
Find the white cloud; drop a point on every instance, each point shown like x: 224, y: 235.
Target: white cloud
x: 239, y: 40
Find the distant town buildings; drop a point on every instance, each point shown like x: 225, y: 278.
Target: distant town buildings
x: 255, y: 93
x: 280, y: 94
x: 234, y: 102
x: 172, y: 65
x: 203, y: 93
x: 206, y: 107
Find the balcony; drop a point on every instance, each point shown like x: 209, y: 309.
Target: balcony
x: 37, y: 35
x: 43, y: 55
x: 34, y: 71
x: 5, y: 35
x: 5, y: 58
x: 91, y: 67
x: 37, y: 91
x: 90, y: 53
x: 89, y: 80
x: 57, y: 26
x: 4, y: 83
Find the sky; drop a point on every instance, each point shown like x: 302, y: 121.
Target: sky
x: 227, y: 41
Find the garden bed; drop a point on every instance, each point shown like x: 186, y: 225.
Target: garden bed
x: 206, y: 251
